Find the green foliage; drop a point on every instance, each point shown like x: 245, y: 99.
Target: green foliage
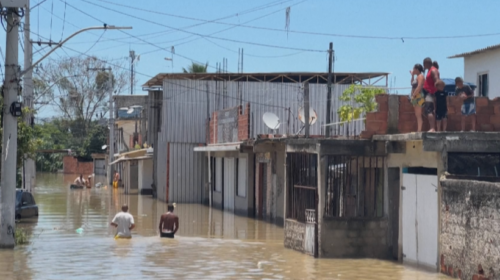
x: 21, y: 237
x: 361, y: 101
x: 81, y: 137
x: 196, y: 68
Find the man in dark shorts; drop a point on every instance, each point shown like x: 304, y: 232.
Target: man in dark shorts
x: 468, y: 107
x: 441, y: 106
x: 169, y: 223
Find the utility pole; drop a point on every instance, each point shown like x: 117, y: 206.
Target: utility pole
x: 29, y: 171
x: 132, y: 61
x: 329, y: 90
x: 306, y: 108
x: 111, y: 145
x: 9, y: 135
x: 12, y: 110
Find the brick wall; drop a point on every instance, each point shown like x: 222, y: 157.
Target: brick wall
x: 243, y: 125
x: 71, y: 165
x: 487, y: 112
x: 470, y: 223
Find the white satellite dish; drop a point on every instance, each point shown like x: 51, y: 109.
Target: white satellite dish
x: 104, y: 147
x: 313, y: 117
x: 130, y: 111
x: 271, y: 120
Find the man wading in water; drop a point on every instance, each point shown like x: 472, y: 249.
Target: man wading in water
x: 124, y: 223
x: 169, y: 223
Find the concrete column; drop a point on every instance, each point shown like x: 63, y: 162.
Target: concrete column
x: 322, y: 171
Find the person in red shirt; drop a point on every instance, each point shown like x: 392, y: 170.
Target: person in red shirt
x: 429, y: 90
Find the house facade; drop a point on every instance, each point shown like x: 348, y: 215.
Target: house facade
x: 482, y: 67
x: 207, y: 124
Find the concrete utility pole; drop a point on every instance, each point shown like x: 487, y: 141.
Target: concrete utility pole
x: 306, y: 108
x: 111, y: 146
x: 329, y: 91
x: 132, y: 61
x: 9, y: 136
x: 29, y: 172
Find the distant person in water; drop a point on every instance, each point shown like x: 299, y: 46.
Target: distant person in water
x: 124, y: 223
x: 169, y: 223
x: 116, y: 179
x: 79, y: 181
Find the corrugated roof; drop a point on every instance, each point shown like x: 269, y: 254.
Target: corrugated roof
x: 494, y: 47
x: 284, y: 77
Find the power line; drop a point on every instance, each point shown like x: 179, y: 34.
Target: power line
x: 308, y: 32
x: 97, y: 41
x: 198, y: 34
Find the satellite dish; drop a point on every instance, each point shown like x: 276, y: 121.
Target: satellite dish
x: 271, y: 120
x: 131, y: 110
x: 104, y: 147
x: 313, y: 117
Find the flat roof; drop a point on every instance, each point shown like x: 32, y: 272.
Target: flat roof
x: 281, y: 77
x: 489, y: 48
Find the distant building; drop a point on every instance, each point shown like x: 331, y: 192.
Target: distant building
x: 482, y: 67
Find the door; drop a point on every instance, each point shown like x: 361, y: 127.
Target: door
x: 26, y: 206
x: 229, y: 183
x: 420, y: 220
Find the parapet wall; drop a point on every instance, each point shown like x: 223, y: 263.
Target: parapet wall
x: 396, y: 115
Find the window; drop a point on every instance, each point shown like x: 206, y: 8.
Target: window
x: 242, y: 177
x: 483, y: 84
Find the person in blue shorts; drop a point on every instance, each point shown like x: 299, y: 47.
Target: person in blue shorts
x: 469, y: 106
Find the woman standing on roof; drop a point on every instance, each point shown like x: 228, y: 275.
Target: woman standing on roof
x: 417, y: 95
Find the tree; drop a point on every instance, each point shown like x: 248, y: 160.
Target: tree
x: 82, y: 95
x: 361, y: 99
x: 196, y: 68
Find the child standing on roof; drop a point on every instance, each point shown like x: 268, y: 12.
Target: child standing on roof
x: 441, y: 106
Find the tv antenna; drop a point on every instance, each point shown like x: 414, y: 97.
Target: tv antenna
x: 271, y: 121
x: 313, y: 117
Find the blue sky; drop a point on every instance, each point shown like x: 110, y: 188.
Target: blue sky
x: 383, y: 18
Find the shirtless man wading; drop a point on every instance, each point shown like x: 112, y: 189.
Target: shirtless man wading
x: 169, y: 223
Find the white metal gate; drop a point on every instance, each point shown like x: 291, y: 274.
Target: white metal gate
x: 229, y: 183
x: 420, y: 220
x: 310, y: 236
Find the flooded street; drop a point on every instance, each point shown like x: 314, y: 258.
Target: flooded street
x: 209, y: 245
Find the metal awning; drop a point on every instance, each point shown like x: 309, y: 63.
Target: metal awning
x: 131, y: 158
x: 218, y: 148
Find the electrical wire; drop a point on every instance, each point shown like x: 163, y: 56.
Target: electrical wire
x: 310, y: 32
x: 194, y: 33
x: 97, y: 41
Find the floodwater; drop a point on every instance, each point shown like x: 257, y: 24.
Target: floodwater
x: 210, y: 244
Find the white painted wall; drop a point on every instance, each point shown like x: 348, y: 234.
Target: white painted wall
x: 145, y: 174
x: 489, y: 62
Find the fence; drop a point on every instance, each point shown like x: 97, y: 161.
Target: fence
x: 355, y: 186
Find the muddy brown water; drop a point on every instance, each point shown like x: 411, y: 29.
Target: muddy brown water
x: 210, y: 244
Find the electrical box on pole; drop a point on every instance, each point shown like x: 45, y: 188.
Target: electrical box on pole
x: 13, y: 3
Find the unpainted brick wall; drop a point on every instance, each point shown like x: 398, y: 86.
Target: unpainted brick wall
x: 243, y: 125
x: 470, y: 226
x: 71, y: 165
x: 487, y: 112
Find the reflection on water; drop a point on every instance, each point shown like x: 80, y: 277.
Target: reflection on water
x: 210, y: 244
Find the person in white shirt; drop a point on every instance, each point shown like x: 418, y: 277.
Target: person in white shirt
x: 79, y: 181
x: 124, y: 223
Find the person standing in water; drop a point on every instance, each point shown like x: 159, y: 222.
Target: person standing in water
x: 79, y: 181
x: 169, y: 223
x: 116, y: 179
x: 124, y: 223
